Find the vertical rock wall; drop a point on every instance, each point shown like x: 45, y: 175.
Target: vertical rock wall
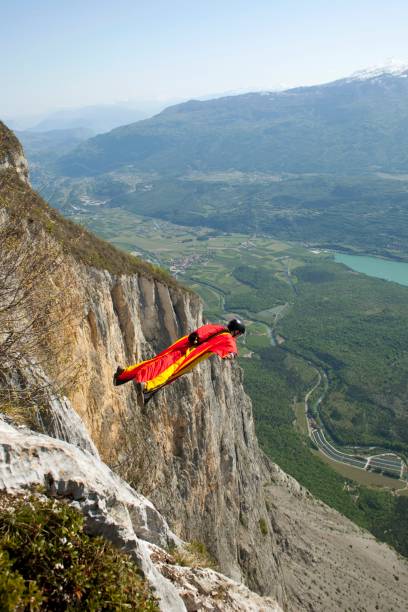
x: 193, y: 449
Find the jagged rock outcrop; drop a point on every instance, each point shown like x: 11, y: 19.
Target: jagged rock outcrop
x: 30, y: 461
x: 112, y: 508
x: 12, y: 154
x: 205, y: 589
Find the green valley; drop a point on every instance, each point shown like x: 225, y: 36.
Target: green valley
x: 303, y: 311
x: 325, y: 164
x: 365, y: 213
x: 350, y: 326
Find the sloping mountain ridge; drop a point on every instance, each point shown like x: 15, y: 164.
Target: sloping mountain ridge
x: 194, y: 451
x: 350, y: 126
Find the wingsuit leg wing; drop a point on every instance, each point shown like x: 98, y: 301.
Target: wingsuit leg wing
x: 149, y: 369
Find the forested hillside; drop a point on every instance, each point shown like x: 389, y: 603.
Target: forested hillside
x: 348, y: 126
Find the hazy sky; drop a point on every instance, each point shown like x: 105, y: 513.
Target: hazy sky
x: 65, y: 53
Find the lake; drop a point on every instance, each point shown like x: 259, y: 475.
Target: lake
x: 396, y: 271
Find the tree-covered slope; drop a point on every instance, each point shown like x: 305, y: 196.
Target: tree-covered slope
x: 351, y: 125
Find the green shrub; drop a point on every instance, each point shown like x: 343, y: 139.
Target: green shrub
x: 263, y: 526
x: 47, y: 562
x: 15, y: 592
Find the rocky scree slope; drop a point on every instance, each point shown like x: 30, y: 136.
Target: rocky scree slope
x: 193, y: 449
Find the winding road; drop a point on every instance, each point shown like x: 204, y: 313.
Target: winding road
x: 385, y: 462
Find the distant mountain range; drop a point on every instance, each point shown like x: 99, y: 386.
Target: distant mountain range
x: 42, y: 147
x: 97, y: 118
x: 354, y: 125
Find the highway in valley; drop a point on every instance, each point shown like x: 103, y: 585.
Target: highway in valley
x: 319, y: 439
x: 384, y: 462
x: 388, y: 463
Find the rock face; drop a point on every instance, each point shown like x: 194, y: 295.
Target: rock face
x: 204, y: 589
x: 12, y: 154
x: 193, y: 449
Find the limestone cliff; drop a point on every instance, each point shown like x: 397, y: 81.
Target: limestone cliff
x: 12, y: 154
x: 193, y: 451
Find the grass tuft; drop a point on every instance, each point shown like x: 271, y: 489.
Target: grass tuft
x: 193, y: 554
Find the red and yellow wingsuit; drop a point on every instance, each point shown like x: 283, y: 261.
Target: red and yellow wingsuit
x: 181, y: 357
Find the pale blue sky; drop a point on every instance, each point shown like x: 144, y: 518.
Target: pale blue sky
x: 60, y: 53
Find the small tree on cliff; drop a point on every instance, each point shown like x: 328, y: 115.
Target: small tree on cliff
x: 33, y: 307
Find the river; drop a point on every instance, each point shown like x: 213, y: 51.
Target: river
x: 396, y: 271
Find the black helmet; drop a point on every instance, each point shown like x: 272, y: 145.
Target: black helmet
x: 236, y: 325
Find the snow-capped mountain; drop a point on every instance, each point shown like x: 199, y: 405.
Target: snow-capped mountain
x: 393, y: 67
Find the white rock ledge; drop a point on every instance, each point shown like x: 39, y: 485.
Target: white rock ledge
x: 112, y: 508
x: 126, y: 518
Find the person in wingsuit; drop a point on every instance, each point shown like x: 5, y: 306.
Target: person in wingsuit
x: 182, y: 356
